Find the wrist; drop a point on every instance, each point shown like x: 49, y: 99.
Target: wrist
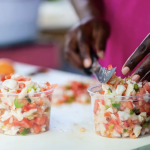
x: 88, y: 8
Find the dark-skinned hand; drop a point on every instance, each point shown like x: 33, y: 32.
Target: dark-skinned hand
x: 88, y: 33
x: 142, y: 72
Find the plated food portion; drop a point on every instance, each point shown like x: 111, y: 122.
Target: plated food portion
x: 24, y: 105
x: 121, y: 108
x: 73, y: 91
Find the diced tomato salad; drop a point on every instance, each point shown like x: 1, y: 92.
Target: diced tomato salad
x: 24, y: 105
x: 122, y: 108
x: 74, y: 91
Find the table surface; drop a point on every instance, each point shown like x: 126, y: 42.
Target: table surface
x: 65, y: 122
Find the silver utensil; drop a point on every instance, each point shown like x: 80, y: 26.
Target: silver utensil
x: 100, y: 72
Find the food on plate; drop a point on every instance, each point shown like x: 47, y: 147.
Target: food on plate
x: 74, y: 91
x: 6, y: 67
x: 121, y: 107
x: 24, y: 105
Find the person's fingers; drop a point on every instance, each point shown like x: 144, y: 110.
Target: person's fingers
x: 101, y: 35
x: 84, y: 49
x: 142, y: 70
x: 71, y: 51
x: 77, y: 63
x: 137, y: 56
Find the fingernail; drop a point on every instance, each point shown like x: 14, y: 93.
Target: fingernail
x: 87, y: 62
x: 125, y: 70
x: 101, y: 54
x: 136, y: 78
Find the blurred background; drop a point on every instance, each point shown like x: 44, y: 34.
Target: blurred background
x: 33, y: 31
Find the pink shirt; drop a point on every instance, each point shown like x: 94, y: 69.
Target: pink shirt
x: 130, y: 23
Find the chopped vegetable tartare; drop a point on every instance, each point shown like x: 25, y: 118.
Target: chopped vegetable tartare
x: 24, y: 105
x: 74, y: 91
x: 121, y: 108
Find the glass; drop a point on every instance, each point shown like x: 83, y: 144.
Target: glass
x: 120, y: 116
x: 28, y: 113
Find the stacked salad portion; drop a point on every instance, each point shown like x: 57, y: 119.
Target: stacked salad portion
x: 73, y: 91
x: 24, y: 105
x: 121, y: 108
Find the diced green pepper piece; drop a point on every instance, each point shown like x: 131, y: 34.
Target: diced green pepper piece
x: 28, y: 99
x: 29, y: 89
x: 30, y: 117
x: 2, y: 127
x: 24, y: 132
x: 136, y: 110
x: 106, y: 106
x: 146, y: 124
x: 67, y: 87
x: 116, y: 105
x: 125, y: 130
x: 33, y: 87
x: 111, y: 126
x: 109, y: 91
x: 127, y: 78
x: 70, y: 100
x: 136, y: 87
x: 17, y: 104
x: 131, y: 112
x: 122, y: 82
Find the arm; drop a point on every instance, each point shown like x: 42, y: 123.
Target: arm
x: 88, y: 8
x: 90, y: 33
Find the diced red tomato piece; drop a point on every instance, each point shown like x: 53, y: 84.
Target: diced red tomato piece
x: 18, y: 91
x: 25, y: 108
x: 96, y: 105
x: 102, y: 102
x: 27, y: 79
x: 32, y: 122
x: 141, y: 102
x: 21, y: 85
x: 6, y: 121
x: 147, y: 87
x: 141, y: 91
x: 110, y: 67
x: 41, y: 120
x: 32, y: 106
x: 126, y: 124
x: 20, y: 130
x: 102, y: 92
x: 118, y: 128
x: 36, y: 128
x: 24, y: 123
x: 129, y: 105
x: 39, y: 110
x: 142, y: 109
x: 126, y: 85
x: 107, y: 114
x: 2, y: 78
x: 47, y: 83
x: 43, y: 89
x: 147, y: 106
x: 53, y: 86
x: 20, y: 78
x: 8, y: 77
x: 41, y: 102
